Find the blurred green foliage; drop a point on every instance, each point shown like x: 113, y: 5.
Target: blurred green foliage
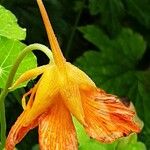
x: 108, y: 39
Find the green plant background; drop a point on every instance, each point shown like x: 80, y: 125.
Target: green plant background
x: 108, y: 39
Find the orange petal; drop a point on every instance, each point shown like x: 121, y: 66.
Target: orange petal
x: 72, y: 99
x: 79, y: 77
x: 56, y: 130
x: 28, y: 75
x: 19, y: 130
x: 107, y: 117
x: 46, y: 91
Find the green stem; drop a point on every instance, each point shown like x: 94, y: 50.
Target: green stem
x: 68, y: 48
x: 10, y: 81
x: 3, y: 124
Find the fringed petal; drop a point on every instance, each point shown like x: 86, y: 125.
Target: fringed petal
x: 107, y: 117
x: 56, y: 130
x: 28, y: 75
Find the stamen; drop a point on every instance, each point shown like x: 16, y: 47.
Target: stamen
x: 31, y: 99
x: 32, y: 95
x: 24, y: 105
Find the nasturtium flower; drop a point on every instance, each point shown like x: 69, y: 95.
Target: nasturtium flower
x: 62, y: 91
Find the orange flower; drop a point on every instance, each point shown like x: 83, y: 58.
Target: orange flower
x: 62, y: 90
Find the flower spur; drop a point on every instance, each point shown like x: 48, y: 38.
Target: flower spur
x: 62, y: 90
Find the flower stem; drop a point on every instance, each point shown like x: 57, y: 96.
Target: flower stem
x: 9, y: 82
x: 3, y: 124
x: 68, y: 48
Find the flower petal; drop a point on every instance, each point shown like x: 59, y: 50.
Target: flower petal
x: 30, y: 74
x: 79, y: 77
x: 19, y: 130
x: 56, y: 130
x: 47, y: 89
x: 72, y: 99
x: 107, y: 118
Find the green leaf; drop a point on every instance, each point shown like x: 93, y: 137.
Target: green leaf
x: 94, y: 35
x: 57, y: 12
x: 142, y: 103
x: 9, y: 27
x: 9, y: 50
x: 126, y: 42
x: 111, y: 11
x: 114, y: 68
x: 35, y: 147
x: 14, y: 149
x: 126, y: 143
x: 140, y: 10
x: 85, y: 143
x: 130, y: 143
x: 117, y: 60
